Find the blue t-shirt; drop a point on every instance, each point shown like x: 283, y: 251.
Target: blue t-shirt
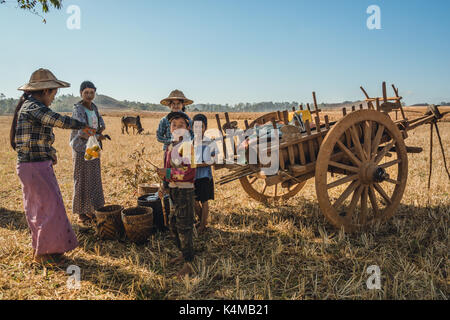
x: 203, y: 157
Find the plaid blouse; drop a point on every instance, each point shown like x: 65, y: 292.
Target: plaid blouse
x: 34, y: 131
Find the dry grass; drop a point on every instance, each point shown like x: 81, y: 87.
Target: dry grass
x: 252, y: 251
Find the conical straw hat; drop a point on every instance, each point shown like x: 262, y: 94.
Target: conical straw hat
x: 176, y: 95
x: 43, y: 79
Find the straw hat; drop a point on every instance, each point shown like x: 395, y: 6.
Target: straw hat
x: 176, y: 95
x: 43, y: 79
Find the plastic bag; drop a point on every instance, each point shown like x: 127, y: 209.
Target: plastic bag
x: 93, y: 149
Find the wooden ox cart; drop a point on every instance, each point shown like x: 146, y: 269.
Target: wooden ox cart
x: 360, y: 163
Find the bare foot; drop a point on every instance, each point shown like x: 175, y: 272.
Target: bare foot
x: 46, y: 260
x: 177, y: 260
x: 186, y: 270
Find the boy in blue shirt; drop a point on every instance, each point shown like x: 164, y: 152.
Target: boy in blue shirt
x: 204, y: 183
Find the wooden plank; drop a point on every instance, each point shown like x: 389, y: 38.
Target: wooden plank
x: 316, y: 107
x: 301, y: 152
x: 384, y: 92
x: 365, y: 93
x: 286, y: 117
x: 387, y: 98
x: 291, y: 155
x: 318, y: 129
x: 281, y: 157
x: 303, y: 139
x: 327, y: 122
x: 218, y: 124
x: 312, y: 152
x: 227, y: 117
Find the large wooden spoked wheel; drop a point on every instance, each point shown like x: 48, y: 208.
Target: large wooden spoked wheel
x: 368, y: 153
x: 258, y: 190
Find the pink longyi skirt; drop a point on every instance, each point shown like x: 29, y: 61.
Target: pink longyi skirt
x: 51, y: 231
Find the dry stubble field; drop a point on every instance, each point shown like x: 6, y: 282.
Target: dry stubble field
x: 252, y: 251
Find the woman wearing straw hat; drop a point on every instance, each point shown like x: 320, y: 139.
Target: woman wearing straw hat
x: 176, y: 101
x: 32, y: 138
x: 88, y: 190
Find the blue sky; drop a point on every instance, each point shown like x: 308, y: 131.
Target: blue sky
x: 231, y: 51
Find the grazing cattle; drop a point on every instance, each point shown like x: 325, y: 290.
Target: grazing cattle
x: 133, y: 122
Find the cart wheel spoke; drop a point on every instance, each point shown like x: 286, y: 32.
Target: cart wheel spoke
x: 392, y: 181
x: 364, y: 196
x: 350, y: 154
x: 368, y: 139
x: 265, y: 187
x: 342, y: 181
x: 357, y: 143
x: 382, y: 193
x: 373, y: 201
x: 346, y: 194
x: 353, y: 203
x: 383, y: 152
x: 377, y: 140
x: 344, y: 166
x: 260, y: 191
x: 390, y: 163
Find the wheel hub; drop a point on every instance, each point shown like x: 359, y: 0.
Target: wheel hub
x: 380, y: 175
x: 372, y: 173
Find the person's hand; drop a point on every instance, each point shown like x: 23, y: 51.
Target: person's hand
x: 102, y: 137
x: 162, y: 192
x: 55, y: 161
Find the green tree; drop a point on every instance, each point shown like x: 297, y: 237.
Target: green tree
x: 37, y: 6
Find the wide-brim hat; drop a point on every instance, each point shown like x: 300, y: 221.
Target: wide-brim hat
x: 43, y: 79
x: 176, y: 95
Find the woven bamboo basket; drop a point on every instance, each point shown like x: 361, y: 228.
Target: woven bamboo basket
x: 109, y: 222
x: 146, y: 188
x: 138, y: 223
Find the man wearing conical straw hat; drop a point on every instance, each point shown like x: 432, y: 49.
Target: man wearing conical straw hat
x: 32, y: 138
x: 176, y: 101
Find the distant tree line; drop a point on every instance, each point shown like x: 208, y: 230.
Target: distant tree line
x: 65, y: 103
